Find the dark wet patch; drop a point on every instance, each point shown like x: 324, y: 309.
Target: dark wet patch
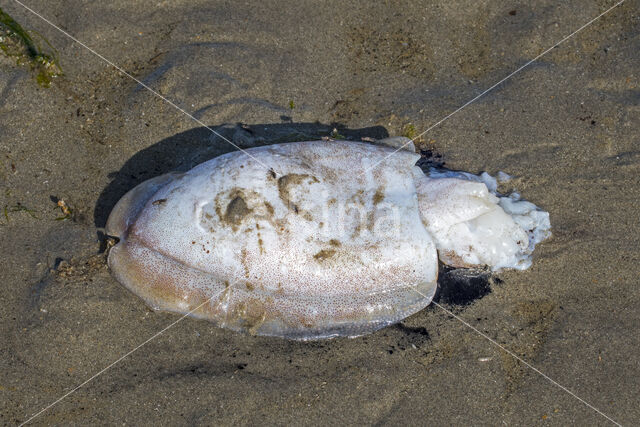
x: 412, y: 330
x: 396, y: 50
x: 197, y: 370
x: 461, y: 286
x: 536, y: 311
x: 38, y: 288
x: 405, y: 337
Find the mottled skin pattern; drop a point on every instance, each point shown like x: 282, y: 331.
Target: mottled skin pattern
x: 319, y: 245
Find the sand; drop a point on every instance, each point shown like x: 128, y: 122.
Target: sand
x: 566, y: 128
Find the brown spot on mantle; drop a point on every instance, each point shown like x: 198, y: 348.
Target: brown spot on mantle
x: 378, y: 196
x: 285, y: 184
x: 236, y: 211
x: 324, y: 254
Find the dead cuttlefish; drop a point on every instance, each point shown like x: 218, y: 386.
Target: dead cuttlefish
x: 332, y: 238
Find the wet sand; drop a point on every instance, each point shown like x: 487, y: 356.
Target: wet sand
x: 566, y: 128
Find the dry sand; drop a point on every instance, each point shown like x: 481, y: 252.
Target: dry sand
x: 566, y: 128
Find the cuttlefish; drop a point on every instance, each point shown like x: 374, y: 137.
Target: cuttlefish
x: 314, y: 239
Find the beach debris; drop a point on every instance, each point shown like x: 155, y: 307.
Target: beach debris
x: 335, y: 134
x: 333, y: 238
x: 66, y: 210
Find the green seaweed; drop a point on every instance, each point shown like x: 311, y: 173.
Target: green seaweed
x: 16, y: 43
x: 18, y: 208
x: 410, y: 131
